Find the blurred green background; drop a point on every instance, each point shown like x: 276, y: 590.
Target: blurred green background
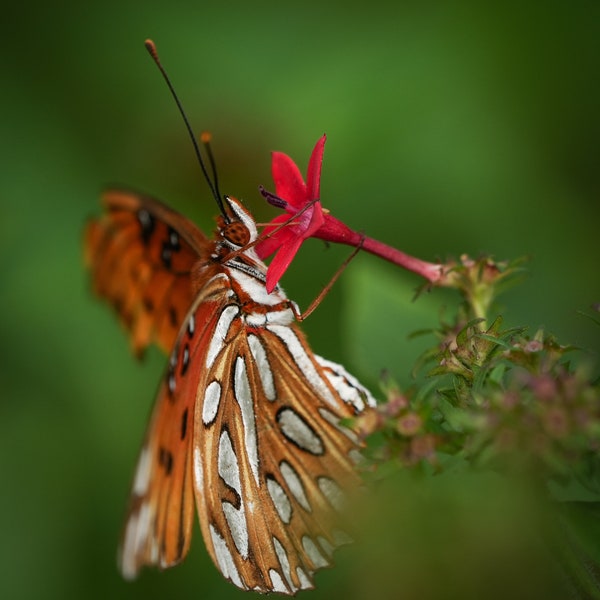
x: 452, y: 128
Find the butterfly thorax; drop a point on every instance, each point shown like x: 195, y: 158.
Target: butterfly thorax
x: 235, y: 256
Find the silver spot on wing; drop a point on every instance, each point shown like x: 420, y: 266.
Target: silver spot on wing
x: 280, y: 500
x: 225, y: 559
x: 284, y: 562
x: 243, y: 396
x: 313, y: 553
x: 332, y: 492
x: 262, y: 365
x: 217, y: 342
x: 299, y: 432
x: 294, y: 483
x: 210, y: 402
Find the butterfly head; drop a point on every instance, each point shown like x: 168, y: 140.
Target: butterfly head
x: 236, y: 238
x: 239, y: 229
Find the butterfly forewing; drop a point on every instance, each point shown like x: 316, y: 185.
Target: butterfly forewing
x: 141, y: 254
x: 248, y: 420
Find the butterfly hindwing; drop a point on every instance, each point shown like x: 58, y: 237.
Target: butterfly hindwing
x: 268, y: 417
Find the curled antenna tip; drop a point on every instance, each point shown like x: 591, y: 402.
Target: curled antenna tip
x: 206, y: 137
x: 151, y: 47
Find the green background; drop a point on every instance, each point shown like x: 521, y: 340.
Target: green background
x: 451, y: 128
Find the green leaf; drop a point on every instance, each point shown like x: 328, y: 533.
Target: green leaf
x: 497, y: 373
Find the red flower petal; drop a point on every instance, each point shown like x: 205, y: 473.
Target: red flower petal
x: 281, y: 261
x: 267, y: 246
x: 313, y: 175
x: 289, y: 184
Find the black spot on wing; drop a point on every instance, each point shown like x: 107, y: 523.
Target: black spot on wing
x: 173, y: 317
x: 147, y: 224
x: 184, y: 423
x: 165, y: 459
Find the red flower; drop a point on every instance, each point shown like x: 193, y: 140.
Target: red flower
x: 306, y: 218
x: 292, y: 194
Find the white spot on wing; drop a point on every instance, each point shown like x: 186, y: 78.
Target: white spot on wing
x: 220, y: 335
x: 227, y: 464
x: 332, y: 491
x: 325, y: 545
x: 277, y: 582
x: 129, y: 567
x: 298, y: 431
x: 346, y: 385
x: 280, y: 500
x: 142, y: 473
x: 305, y: 582
x: 198, y: 469
x: 243, y: 395
x: 210, y: 402
x: 284, y: 562
x: 313, y: 552
x: 262, y: 364
x: 236, y: 520
x: 191, y: 325
x: 294, y: 484
x: 142, y: 530
x: 225, y: 559
x: 229, y: 470
x: 137, y: 532
x: 303, y: 361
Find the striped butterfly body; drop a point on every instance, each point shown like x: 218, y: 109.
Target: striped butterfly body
x: 248, y: 421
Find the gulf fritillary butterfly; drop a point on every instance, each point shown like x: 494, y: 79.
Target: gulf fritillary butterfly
x: 247, y: 419
x: 248, y: 422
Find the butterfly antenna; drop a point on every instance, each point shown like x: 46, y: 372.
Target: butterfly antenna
x: 206, y: 139
x: 151, y: 47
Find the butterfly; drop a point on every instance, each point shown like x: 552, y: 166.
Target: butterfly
x: 249, y: 425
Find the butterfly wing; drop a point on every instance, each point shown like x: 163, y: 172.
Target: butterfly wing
x: 274, y: 456
x: 247, y: 419
x: 159, y: 523
x: 141, y: 255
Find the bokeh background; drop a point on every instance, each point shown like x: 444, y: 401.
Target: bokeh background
x: 452, y: 128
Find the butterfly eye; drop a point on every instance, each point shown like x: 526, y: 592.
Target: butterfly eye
x: 236, y: 233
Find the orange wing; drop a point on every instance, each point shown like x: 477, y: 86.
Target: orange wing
x: 271, y: 511
x: 274, y: 456
x: 248, y: 420
x: 159, y: 523
x: 141, y: 254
